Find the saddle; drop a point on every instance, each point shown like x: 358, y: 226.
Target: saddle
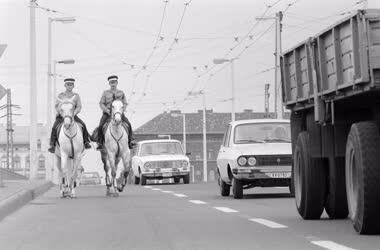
x: 95, y: 133
x: 59, y: 128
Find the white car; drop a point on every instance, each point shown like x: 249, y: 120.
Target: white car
x: 255, y: 153
x: 160, y: 159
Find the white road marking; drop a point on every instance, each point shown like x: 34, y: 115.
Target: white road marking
x: 197, y: 202
x: 226, y: 209
x: 147, y: 187
x: 180, y: 195
x: 268, y: 223
x: 167, y: 191
x: 156, y: 189
x: 331, y: 245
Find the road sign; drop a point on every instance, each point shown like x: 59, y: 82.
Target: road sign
x: 2, y: 48
x: 3, y: 92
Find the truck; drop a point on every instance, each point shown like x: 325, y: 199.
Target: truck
x: 331, y: 84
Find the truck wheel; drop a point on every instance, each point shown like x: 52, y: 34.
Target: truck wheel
x: 336, y: 200
x: 237, y: 188
x: 186, y: 179
x: 363, y: 177
x: 291, y: 184
x: 309, y: 180
x: 176, y: 180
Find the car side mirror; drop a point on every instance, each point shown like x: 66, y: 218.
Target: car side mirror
x: 188, y: 154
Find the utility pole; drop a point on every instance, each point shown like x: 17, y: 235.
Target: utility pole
x: 33, y: 93
x: 277, y: 88
x: 267, y: 100
x: 202, y: 92
x: 9, y: 115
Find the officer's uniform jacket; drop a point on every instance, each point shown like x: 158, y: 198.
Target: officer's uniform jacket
x: 109, y: 96
x: 73, y: 97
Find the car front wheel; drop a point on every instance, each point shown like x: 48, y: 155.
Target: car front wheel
x: 237, y: 188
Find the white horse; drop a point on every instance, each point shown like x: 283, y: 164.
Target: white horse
x: 116, y: 149
x: 68, y: 152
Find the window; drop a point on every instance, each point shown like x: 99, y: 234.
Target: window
x: 158, y: 148
x: 262, y: 132
x: 4, y: 161
x: 41, y: 162
x: 27, y: 162
x: 17, y: 162
x: 210, y: 155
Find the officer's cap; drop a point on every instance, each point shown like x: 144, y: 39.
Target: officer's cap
x: 69, y: 80
x: 113, y: 77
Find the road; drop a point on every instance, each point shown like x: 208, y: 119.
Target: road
x: 173, y: 217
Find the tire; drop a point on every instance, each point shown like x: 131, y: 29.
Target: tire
x: 224, y: 188
x: 176, y: 180
x: 291, y: 184
x: 136, y: 180
x: 363, y: 177
x: 336, y: 199
x: 142, y: 180
x: 309, y: 180
x: 186, y: 179
x: 237, y: 188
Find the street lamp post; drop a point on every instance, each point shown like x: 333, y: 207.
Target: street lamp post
x: 202, y: 92
x: 50, y: 95
x: 184, y: 129
x: 50, y: 169
x: 231, y: 61
x: 278, y: 51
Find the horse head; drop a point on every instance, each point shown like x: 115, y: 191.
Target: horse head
x: 66, y: 110
x: 117, y: 110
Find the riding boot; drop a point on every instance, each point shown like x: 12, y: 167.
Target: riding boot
x: 100, y: 139
x: 86, y: 139
x: 53, y: 139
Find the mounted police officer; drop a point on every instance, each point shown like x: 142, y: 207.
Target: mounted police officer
x: 68, y: 94
x: 105, y: 104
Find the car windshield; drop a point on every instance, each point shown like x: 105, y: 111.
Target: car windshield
x: 262, y: 133
x: 158, y: 148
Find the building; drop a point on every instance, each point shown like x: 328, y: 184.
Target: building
x: 21, y: 160
x: 169, y: 123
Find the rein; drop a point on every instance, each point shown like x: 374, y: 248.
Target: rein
x: 117, y: 141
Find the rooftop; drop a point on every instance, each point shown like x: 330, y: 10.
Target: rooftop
x: 171, y: 123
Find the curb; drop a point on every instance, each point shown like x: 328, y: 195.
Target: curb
x: 21, y: 198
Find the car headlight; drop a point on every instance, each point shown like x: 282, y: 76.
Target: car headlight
x: 252, y: 161
x: 242, y: 160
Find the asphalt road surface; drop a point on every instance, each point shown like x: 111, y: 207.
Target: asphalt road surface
x: 173, y: 216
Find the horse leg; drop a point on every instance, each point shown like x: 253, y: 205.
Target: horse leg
x: 76, y: 163
x: 112, y: 171
x: 59, y: 174
x: 65, y: 170
x: 124, y: 174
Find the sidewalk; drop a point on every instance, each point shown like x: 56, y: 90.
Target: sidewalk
x: 16, y: 193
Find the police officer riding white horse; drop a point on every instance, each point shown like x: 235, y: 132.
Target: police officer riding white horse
x: 68, y: 124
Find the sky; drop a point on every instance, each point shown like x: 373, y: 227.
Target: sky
x: 119, y: 37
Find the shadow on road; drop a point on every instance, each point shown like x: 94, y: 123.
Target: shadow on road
x: 267, y: 196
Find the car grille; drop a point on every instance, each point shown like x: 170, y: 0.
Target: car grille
x: 273, y: 160
x: 165, y: 164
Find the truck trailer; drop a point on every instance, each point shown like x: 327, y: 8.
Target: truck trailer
x: 331, y: 84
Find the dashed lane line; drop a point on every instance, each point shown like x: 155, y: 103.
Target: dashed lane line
x: 181, y: 195
x: 268, y: 223
x: 197, y: 202
x: 147, y: 186
x: 226, y: 209
x: 156, y: 189
x: 167, y: 191
x: 330, y: 245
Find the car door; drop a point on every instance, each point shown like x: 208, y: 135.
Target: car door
x: 222, y: 159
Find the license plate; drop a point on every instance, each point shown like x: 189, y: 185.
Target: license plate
x: 279, y: 175
x: 166, y: 174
